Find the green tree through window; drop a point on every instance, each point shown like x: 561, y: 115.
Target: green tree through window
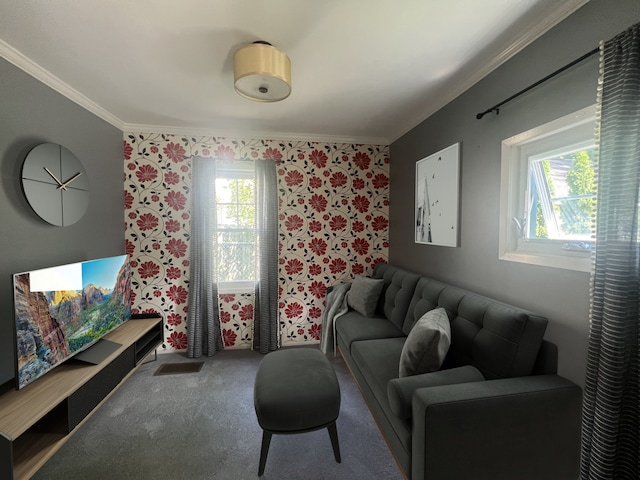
x: 563, y: 195
x: 581, y: 180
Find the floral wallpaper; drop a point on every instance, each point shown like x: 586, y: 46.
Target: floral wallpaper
x: 333, y: 224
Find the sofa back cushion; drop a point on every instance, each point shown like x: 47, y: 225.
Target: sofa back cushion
x: 500, y: 340
x: 399, y: 287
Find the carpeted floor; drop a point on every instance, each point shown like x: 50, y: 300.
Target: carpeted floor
x: 202, y: 425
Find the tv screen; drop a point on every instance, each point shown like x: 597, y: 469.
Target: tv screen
x: 63, y: 310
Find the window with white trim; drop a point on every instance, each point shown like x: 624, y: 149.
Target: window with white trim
x: 547, y: 197
x: 236, y: 230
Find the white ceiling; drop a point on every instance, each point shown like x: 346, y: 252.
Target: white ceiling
x: 364, y: 71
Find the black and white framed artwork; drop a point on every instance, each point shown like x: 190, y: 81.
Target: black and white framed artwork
x: 437, y: 197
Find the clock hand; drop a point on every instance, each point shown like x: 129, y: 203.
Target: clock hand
x: 60, y: 184
x: 64, y: 185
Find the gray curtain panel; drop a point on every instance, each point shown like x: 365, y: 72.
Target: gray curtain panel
x: 203, y: 318
x: 266, y: 335
x: 611, y: 420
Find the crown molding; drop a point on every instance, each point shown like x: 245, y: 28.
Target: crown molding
x: 27, y: 65
x: 531, y: 32
x: 253, y: 135
x: 39, y: 73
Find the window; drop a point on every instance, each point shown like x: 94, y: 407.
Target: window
x: 236, y: 229
x: 547, y: 199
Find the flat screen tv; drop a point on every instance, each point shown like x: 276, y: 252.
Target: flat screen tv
x: 61, y: 311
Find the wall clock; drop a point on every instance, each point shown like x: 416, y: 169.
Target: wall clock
x: 55, y: 184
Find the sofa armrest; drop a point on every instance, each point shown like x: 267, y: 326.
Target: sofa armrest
x: 526, y: 428
x: 400, y: 390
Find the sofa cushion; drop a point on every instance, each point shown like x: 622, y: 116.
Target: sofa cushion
x: 399, y: 286
x: 501, y: 340
x: 378, y: 360
x: 352, y: 327
x: 364, y: 294
x: 425, y: 298
x: 427, y: 344
x: 400, y: 390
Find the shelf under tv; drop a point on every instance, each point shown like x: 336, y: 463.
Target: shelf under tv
x: 38, y: 419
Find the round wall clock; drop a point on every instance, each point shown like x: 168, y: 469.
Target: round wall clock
x: 55, y: 184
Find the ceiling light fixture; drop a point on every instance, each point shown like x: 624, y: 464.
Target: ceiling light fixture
x: 261, y: 72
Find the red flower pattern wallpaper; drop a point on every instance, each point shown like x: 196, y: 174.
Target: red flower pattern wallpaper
x: 333, y: 224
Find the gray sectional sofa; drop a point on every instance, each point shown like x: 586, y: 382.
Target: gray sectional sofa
x: 496, y: 409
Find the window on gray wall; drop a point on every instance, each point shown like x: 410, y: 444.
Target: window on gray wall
x: 547, y: 198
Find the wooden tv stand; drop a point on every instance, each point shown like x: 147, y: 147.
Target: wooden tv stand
x: 38, y: 419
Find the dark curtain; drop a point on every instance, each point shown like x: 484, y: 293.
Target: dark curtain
x: 611, y: 433
x: 265, y: 326
x: 203, y: 318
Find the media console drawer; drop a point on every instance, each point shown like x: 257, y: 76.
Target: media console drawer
x: 88, y: 396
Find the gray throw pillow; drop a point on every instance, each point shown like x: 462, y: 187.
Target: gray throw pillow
x: 427, y: 344
x: 364, y: 294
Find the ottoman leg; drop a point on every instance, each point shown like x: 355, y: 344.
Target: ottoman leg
x: 266, y: 440
x: 333, y: 434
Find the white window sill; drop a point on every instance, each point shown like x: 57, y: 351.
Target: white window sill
x: 236, y: 287
x: 579, y: 262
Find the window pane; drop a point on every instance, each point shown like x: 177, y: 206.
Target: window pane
x: 235, y: 201
x: 561, y: 202
x: 224, y: 193
x: 243, y: 188
x: 236, y: 255
x: 246, y: 215
x: 235, y: 209
x: 227, y: 215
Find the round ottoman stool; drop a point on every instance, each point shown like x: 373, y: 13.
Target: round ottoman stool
x: 296, y: 391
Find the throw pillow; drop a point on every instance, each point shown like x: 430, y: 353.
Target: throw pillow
x: 364, y: 294
x: 427, y: 344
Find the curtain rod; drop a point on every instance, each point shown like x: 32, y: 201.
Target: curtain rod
x: 496, y: 108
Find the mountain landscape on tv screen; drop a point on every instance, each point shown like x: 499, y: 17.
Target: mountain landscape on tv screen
x: 52, y: 326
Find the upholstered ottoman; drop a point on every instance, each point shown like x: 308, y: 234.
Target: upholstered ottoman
x: 296, y: 391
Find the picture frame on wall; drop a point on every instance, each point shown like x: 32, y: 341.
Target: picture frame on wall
x: 437, y: 198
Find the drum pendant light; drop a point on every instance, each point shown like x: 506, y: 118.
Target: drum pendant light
x: 261, y: 72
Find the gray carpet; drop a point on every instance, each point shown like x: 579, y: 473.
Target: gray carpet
x: 202, y: 425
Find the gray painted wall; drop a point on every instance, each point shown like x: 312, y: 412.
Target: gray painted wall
x: 561, y: 295
x: 32, y: 113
